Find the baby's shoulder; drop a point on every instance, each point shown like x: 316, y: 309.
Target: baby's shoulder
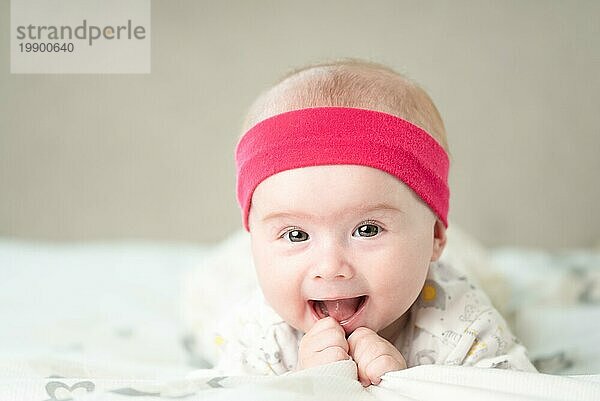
x: 449, y: 301
x: 254, y: 339
x: 454, y: 323
x: 251, y: 314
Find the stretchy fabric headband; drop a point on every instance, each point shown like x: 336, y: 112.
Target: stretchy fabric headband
x: 341, y: 135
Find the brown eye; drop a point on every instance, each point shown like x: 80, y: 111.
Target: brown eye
x: 366, y: 230
x: 297, y: 236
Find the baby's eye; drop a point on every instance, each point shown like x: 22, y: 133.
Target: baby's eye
x: 296, y: 235
x: 366, y: 230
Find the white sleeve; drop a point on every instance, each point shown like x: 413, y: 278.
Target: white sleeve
x: 254, y: 340
x: 456, y: 324
x: 488, y: 343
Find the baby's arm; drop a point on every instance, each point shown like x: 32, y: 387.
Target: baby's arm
x: 253, y: 340
x: 324, y: 343
x: 258, y: 351
x: 458, y: 325
x: 489, y: 343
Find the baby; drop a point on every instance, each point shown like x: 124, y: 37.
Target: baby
x: 342, y: 181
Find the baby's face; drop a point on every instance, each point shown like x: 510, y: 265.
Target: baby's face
x: 351, y: 242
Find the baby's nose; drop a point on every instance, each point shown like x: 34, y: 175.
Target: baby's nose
x: 332, y: 263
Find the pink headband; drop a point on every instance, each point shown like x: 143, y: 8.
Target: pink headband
x: 340, y: 135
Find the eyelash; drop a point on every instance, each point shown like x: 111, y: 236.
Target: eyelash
x: 370, y: 222
x: 288, y: 230
x: 373, y: 222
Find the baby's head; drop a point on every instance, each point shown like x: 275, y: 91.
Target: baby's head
x: 344, y: 194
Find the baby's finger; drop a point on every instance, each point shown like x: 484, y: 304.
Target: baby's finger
x: 360, y: 340
x: 370, y: 351
x: 324, y: 324
x: 333, y: 336
x: 328, y: 355
x: 380, y: 366
x: 370, y: 348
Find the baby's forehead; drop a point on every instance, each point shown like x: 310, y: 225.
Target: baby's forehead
x: 331, y: 189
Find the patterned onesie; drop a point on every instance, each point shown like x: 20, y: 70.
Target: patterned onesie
x: 452, y: 322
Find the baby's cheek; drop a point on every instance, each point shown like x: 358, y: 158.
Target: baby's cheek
x: 279, y: 290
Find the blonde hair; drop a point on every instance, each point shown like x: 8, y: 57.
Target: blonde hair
x: 350, y: 83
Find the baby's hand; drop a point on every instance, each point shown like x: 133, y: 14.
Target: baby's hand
x: 324, y: 343
x: 373, y: 355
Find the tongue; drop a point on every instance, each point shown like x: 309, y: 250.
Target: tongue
x: 341, y: 309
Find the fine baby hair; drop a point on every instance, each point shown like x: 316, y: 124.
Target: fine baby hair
x: 349, y: 83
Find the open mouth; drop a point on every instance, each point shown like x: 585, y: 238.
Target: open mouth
x: 343, y: 310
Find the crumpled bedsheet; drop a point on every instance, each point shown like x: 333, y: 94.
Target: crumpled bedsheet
x: 336, y: 381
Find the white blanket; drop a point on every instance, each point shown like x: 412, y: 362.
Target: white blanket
x: 107, y: 317
x: 331, y: 382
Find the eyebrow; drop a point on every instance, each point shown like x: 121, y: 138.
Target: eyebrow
x: 383, y: 207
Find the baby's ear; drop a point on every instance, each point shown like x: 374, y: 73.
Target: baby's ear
x: 439, y: 240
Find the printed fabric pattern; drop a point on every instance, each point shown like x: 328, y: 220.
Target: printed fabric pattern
x: 452, y: 322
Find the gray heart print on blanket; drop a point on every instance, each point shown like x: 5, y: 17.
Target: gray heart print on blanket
x: 59, y: 391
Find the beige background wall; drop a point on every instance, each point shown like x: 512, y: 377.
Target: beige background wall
x: 151, y: 156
